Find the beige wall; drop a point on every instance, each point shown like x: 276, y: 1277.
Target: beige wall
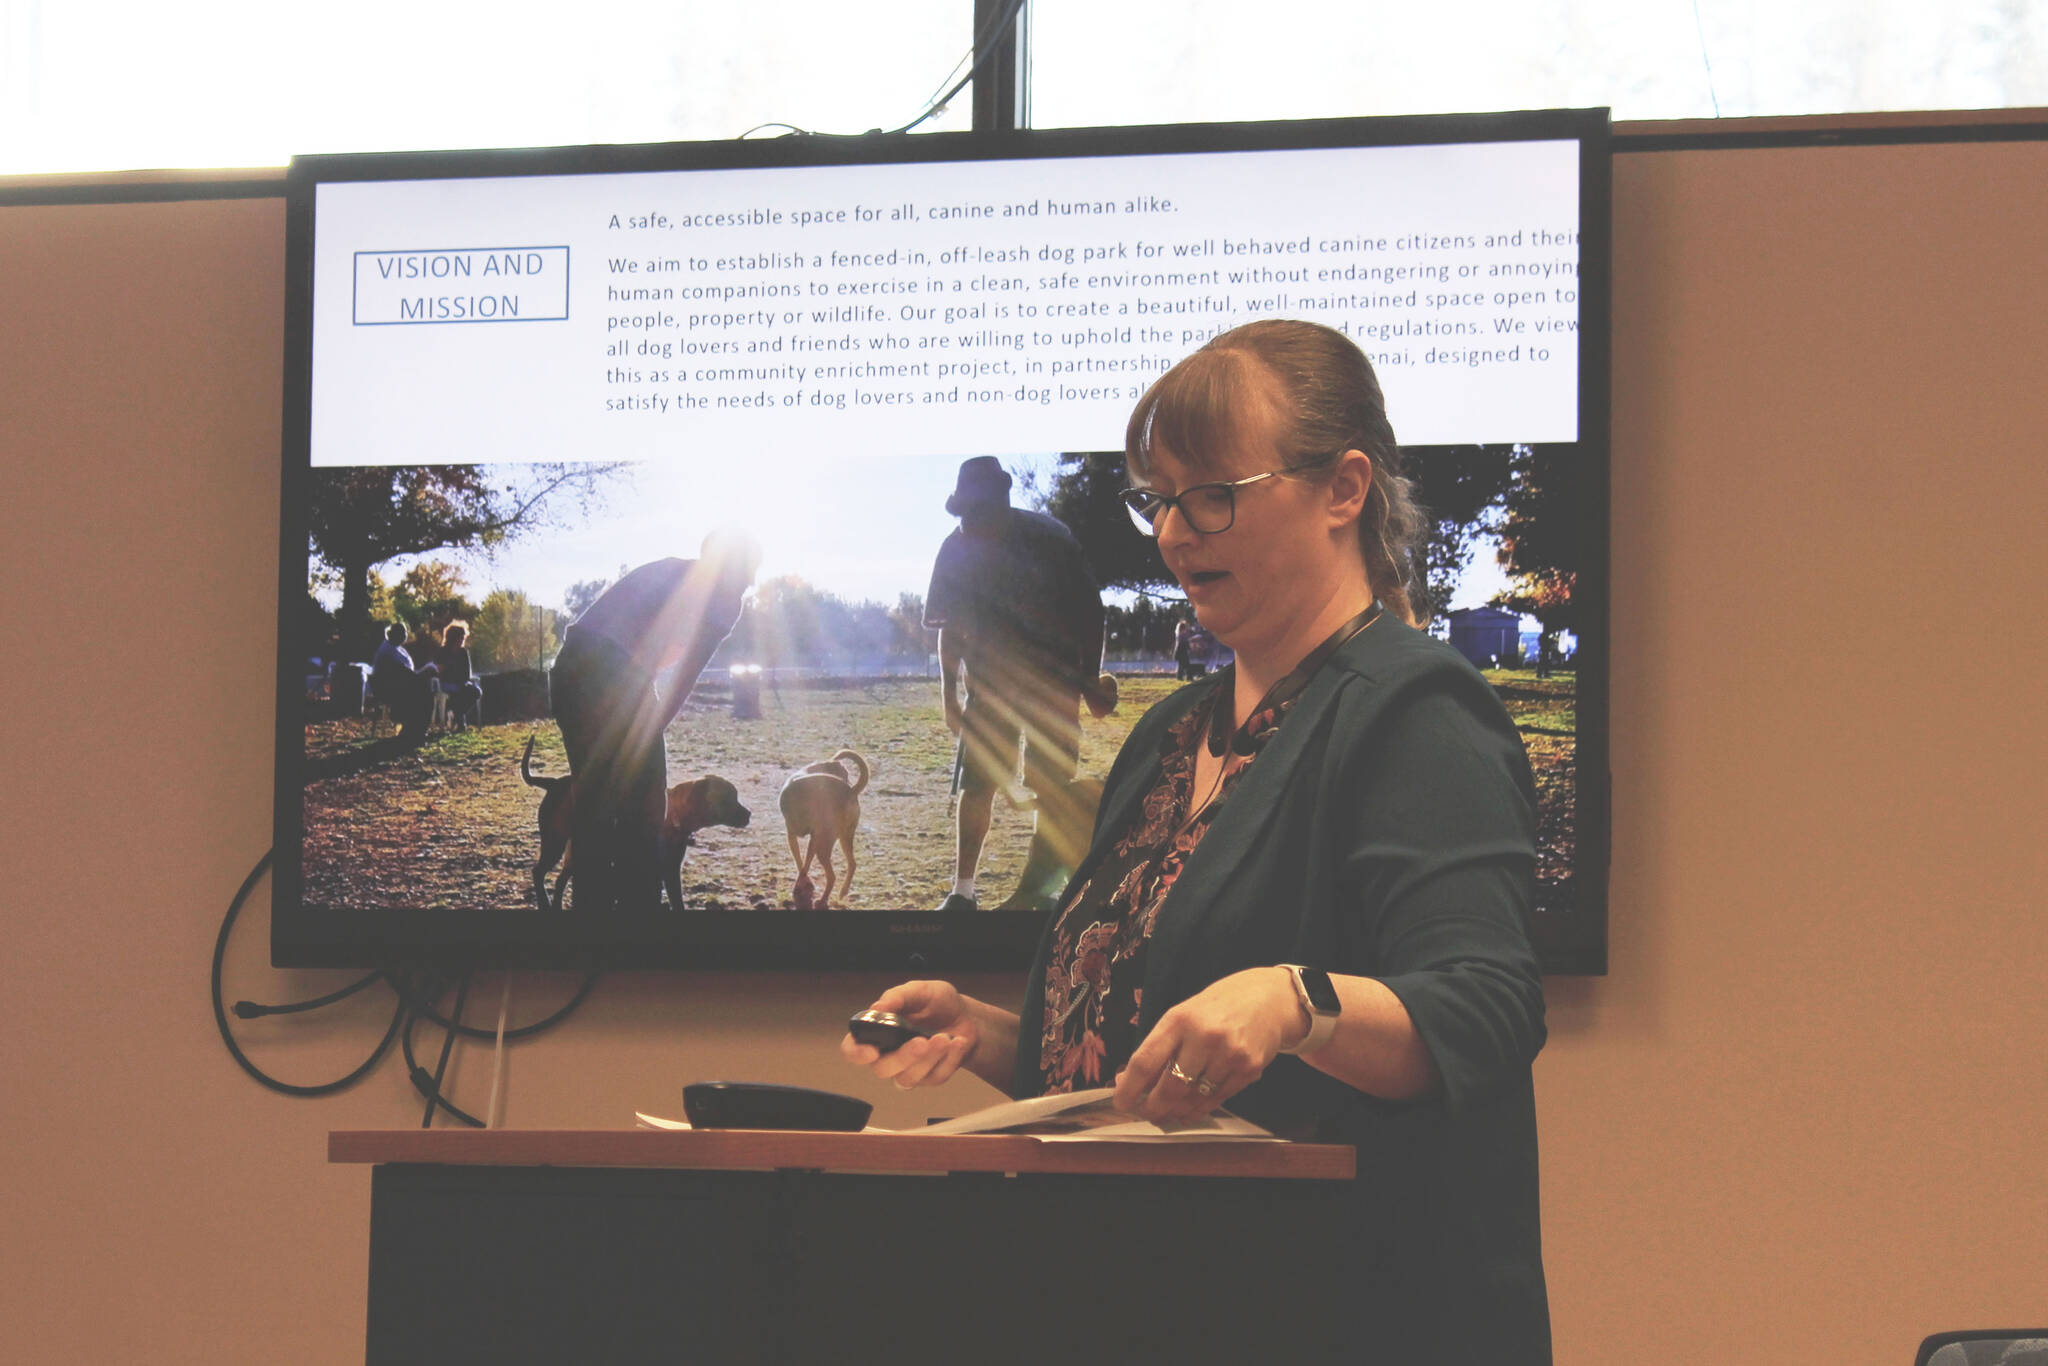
x: 1804, y: 1119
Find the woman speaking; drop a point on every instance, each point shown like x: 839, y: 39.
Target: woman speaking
x: 1311, y: 874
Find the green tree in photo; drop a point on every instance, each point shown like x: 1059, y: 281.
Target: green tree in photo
x: 908, y: 638
x: 383, y: 611
x: 429, y: 596
x: 1540, y: 536
x: 786, y: 622
x: 1458, y: 486
x: 511, y: 631
x: 577, y: 598
x: 361, y: 516
x: 1084, y: 494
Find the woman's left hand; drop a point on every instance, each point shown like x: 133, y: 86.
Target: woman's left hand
x: 1211, y: 1046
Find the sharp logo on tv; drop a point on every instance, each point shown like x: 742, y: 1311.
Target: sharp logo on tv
x: 796, y: 437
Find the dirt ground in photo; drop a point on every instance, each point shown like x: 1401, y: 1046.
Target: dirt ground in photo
x: 452, y: 824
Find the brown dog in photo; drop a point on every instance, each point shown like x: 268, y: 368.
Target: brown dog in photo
x: 692, y: 806
x: 821, y: 807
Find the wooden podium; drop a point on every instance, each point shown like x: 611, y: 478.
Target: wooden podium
x: 744, y: 1246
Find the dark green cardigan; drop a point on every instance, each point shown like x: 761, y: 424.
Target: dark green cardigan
x: 1387, y: 830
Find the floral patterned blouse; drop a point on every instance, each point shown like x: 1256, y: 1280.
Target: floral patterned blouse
x: 1094, y: 981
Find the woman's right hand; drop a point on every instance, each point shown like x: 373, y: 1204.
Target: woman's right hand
x: 948, y: 1019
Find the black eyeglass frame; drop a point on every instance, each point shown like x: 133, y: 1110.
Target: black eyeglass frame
x: 1136, y: 500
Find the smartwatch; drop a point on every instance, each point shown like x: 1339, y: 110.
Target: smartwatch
x: 1319, y: 999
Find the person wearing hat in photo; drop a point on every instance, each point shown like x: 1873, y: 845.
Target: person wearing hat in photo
x: 1019, y: 614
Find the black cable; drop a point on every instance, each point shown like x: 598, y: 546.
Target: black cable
x: 419, y: 1006
x: 220, y: 1014
x: 985, y: 50
x: 424, y: 1084
x: 424, y: 1008
x: 980, y: 49
x: 251, y: 1010
x: 404, y: 1016
x: 447, y: 1047
x: 991, y: 29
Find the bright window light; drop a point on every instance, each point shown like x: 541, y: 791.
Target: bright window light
x: 113, y: 84
x: 1164, y: 61
x: 118, y: 84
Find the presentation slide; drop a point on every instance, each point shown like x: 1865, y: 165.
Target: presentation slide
x: 928, y: 309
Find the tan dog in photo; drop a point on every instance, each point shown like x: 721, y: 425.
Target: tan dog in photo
x: 692, y: 806
x: 821, y: 808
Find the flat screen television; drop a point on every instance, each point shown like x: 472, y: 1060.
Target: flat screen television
x: 516, y: 377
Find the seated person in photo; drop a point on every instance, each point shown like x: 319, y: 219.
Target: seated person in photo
x: 626, y: 667
x: 458, y: 677
x: 408, y: 692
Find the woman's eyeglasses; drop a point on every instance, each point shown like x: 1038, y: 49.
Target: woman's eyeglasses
x: 1207, y: 508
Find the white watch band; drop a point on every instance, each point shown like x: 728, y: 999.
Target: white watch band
x: 1321, y: 1023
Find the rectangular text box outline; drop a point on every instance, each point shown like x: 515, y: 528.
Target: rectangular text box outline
x: 354, y: 290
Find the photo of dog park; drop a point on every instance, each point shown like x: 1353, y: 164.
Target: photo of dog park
x: 748, y: 672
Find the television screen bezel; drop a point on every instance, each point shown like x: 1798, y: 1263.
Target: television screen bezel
x: 909, y: 940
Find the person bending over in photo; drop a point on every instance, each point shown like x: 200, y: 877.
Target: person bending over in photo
x: 1309, y: 890
x: 626, y: 666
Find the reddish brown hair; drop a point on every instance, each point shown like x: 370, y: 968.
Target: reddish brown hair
x: 1314, y: 388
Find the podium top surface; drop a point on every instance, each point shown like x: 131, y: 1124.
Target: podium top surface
x: 777, y: 1149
